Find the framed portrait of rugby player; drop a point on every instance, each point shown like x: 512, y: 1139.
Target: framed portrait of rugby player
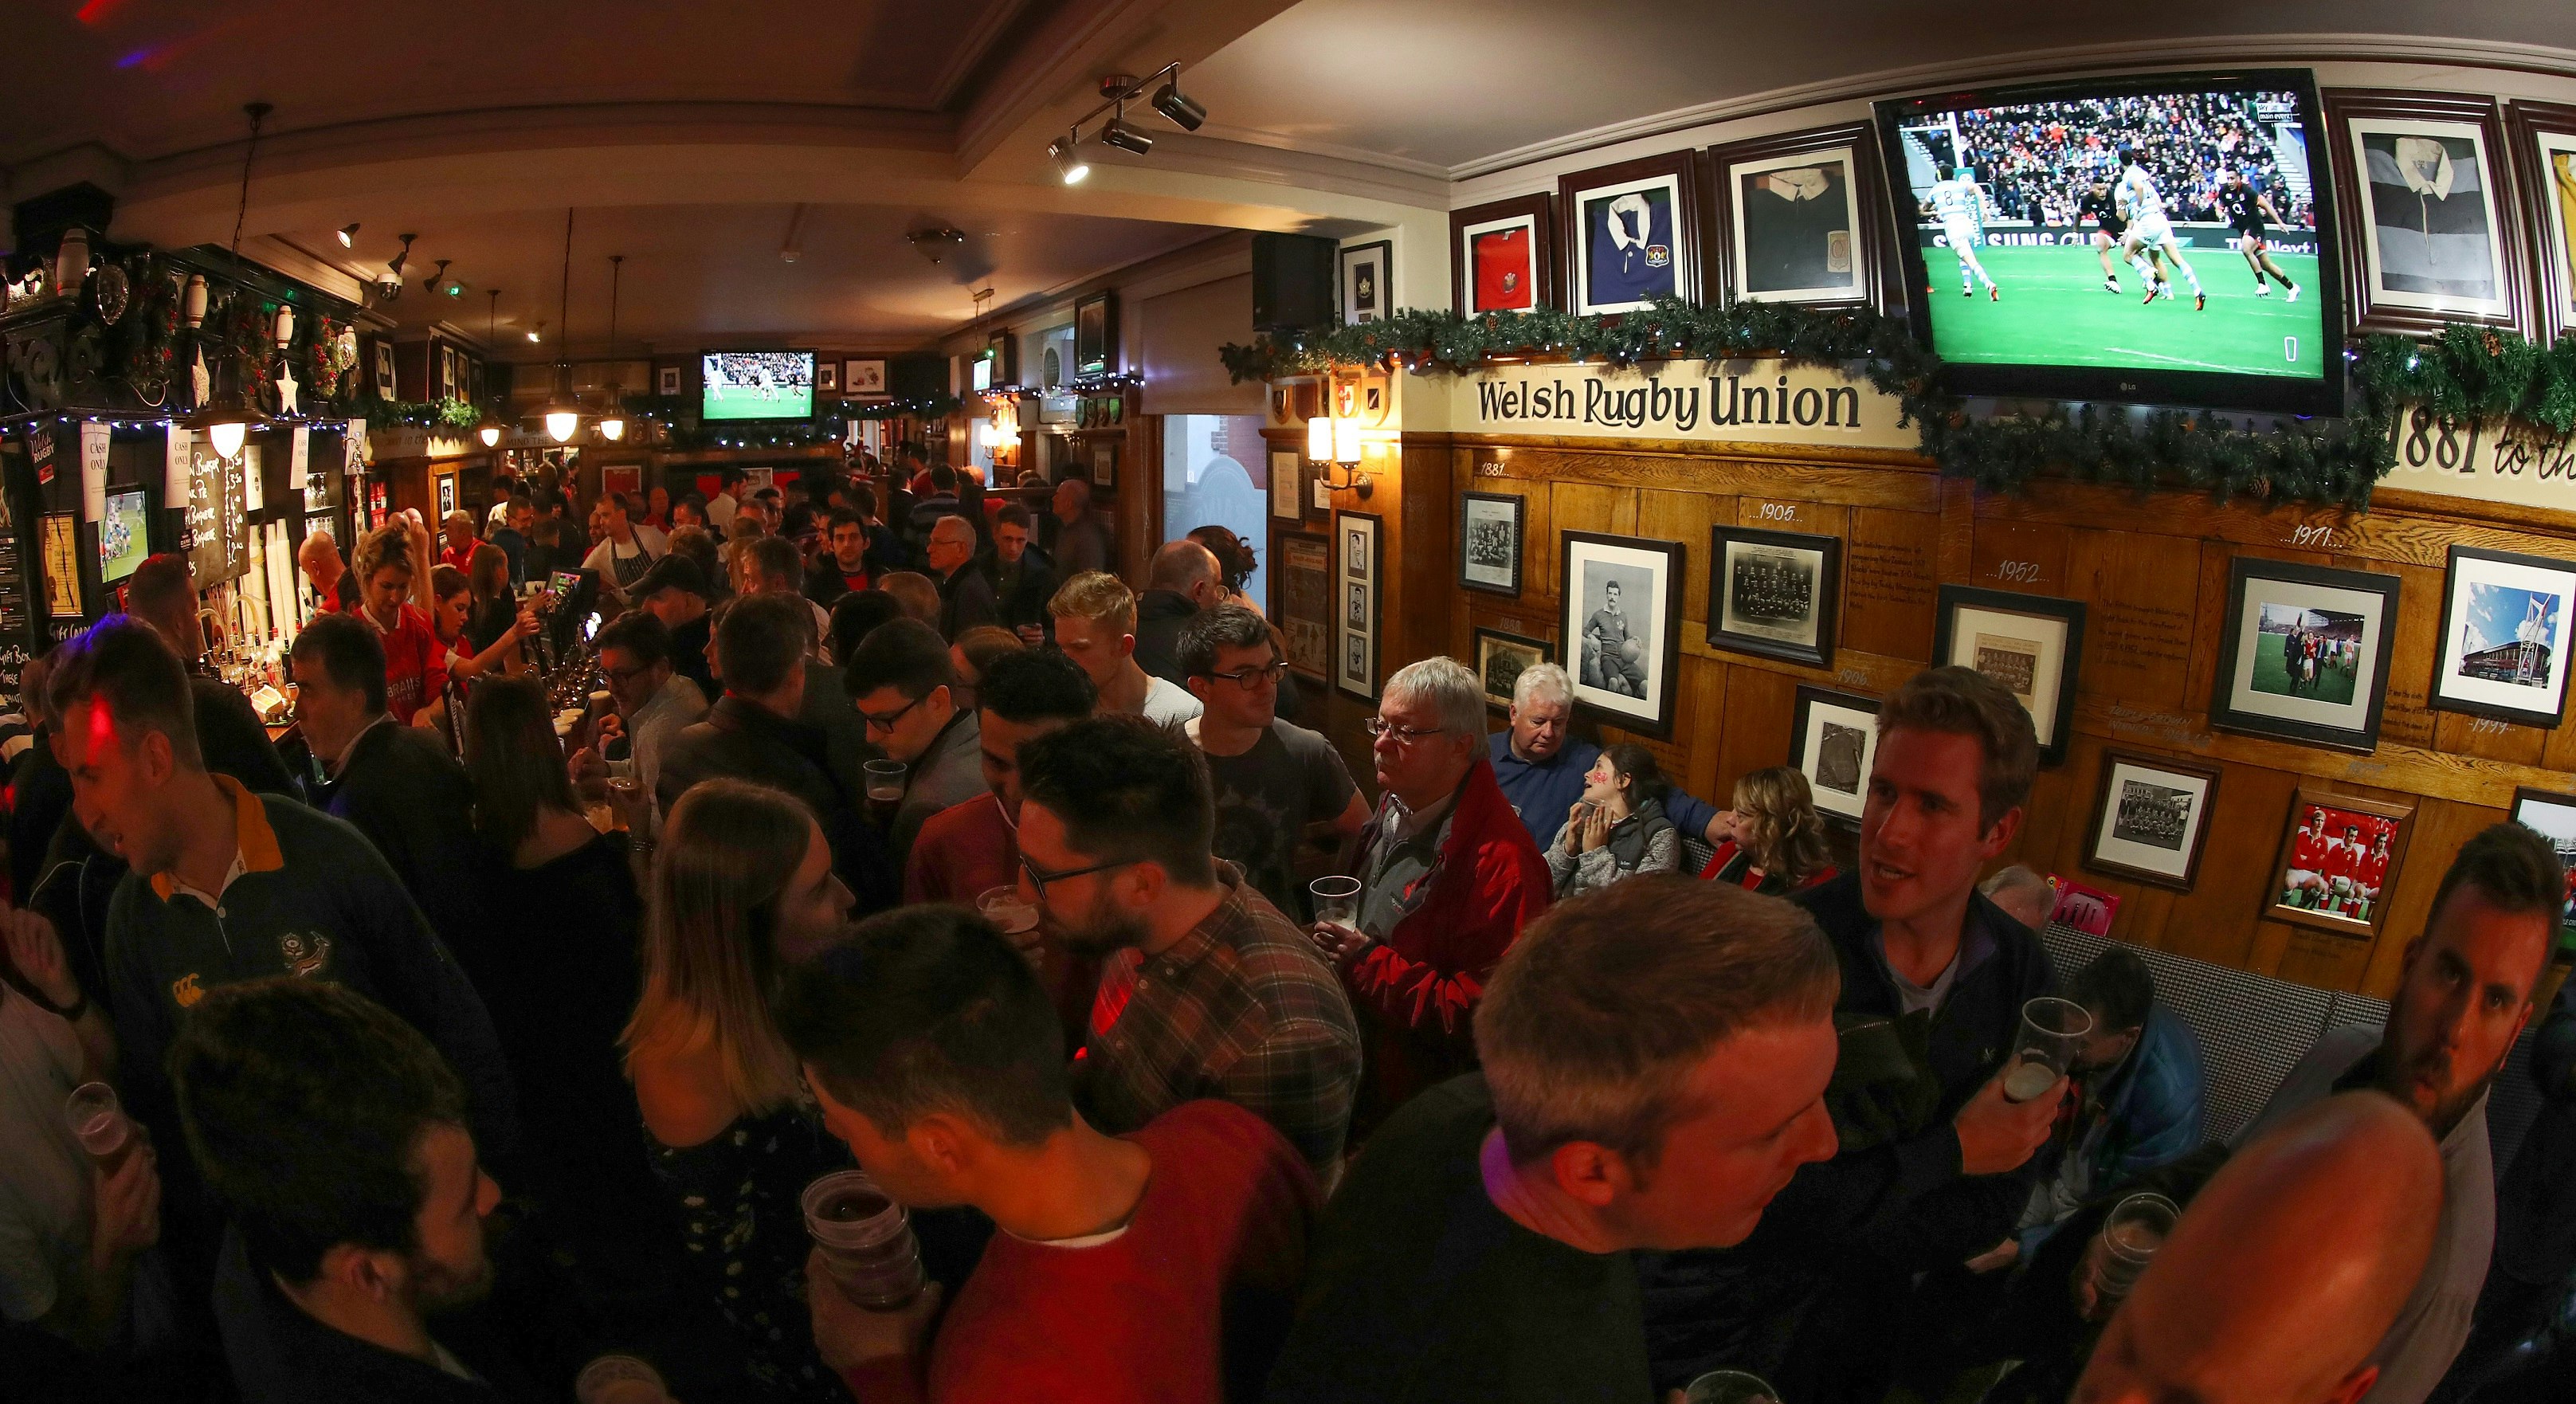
x: 1792, y: 221
x: 1631, y: 233
x: 1503, y: 256
x: 2339, y: 862
x: 1621, y: 620
x: 2544, y: 154
x: 2432, y: 228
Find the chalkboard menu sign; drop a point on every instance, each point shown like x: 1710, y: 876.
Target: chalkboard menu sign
x: 15, y: 631
x: 216, y: 492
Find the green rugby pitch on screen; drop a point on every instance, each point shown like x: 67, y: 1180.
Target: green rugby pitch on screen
x: 2055, y: 312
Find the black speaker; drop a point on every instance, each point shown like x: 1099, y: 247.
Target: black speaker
x: 1292, y: 282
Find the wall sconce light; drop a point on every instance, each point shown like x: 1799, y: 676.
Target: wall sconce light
x: 1334, y: 442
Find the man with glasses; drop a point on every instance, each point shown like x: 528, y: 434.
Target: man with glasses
x: 1279, y: 787
x: 654, y: 702
x: 906, y: 690
x: 1448, y: 875
x: 1206, y: 990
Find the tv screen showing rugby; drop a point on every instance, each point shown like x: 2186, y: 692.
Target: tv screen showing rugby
x: 2151, y: 238
x: 756, y: 385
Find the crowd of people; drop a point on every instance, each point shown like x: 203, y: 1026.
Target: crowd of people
x: 2034, y: 162
x: 1172, y: 1065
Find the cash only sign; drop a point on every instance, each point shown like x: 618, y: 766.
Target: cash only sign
x: 1750, y: 401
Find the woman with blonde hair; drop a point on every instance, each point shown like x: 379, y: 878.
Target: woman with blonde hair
x: 1775, y: 839
x: 742, y: 885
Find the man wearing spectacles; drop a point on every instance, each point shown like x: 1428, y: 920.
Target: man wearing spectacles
x: 1449, y: 877
x: 906, y: 689
x: 1280, y: 789
x: 1205, y: 990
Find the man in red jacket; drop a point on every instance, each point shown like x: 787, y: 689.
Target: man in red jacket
x: 1449, y: 875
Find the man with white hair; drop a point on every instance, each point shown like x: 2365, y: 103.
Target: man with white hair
x: 1540, y: 763
x: 2024, y: 895
x: 1448, y: 877
x: 965, y: 595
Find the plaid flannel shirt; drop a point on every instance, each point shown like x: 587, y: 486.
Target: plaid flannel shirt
x: 1243, y: 1009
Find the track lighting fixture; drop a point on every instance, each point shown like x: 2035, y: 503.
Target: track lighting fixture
x: 1182, y: 110
x: 1117, y: 133
x: 440, y: 276
x: 1068, y: 159
x: 349, y: 236
x: 1116, y: 91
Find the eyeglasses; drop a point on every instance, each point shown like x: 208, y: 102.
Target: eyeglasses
x: 1404, y: 735
x: 1040, y: 877
x: 1251, y: 678
x: 628, y: 675
x: 887, y: 722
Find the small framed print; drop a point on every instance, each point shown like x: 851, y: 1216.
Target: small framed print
x: 2432, y: 235
x: 1503, y: 256
x: 2032, y: 644
x: 827, y: 378
x: 2553, y: 816
x: 1774, y: 593
x: 1631, y: 233
x: 1489, y: 542
x: 2339, y: 857
x: 1501, y: 658
x: 385, y: 370
x: 1287, y: 484
x: 2304, y: 654
x: 2152, y: 818
x: 1622, y: 617
x: 1305, y: 601
x: 1832, y: 742
x: 1356, y: 603
x: 863, y: 377
x: 1792, y: 220
x: 2503, y: 647
x: 2544, y: 156
x: 447, y: 372
x: 1095, y: 334
x: 1368, y: 287
x: 1104, y: 465
x: 666, y: 382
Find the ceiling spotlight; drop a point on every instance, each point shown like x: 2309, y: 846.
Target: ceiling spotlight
x: 537, y: 332
x: 936, y: 244
x: 393, y: 270
x: 433, y: 280
x: 1116, y: 132
x: 349, y: 236
x: 1068, y: 158
x: 1185, y: 112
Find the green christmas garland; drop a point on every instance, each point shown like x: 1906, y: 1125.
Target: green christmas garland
x: 460, y: 415
x: 2466, y: 373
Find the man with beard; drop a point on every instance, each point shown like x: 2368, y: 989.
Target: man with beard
x: 336, y: 1140
x: 1207, y: 990
x: 1279, y: 787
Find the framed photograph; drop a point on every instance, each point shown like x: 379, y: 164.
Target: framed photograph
x: 1489, y: 542
x: 1793, y: 223
x: 446, y: 495
x: 2152, y: 818
x: 2340, y: 854
x: 1356, y: 603
x: 666, y: 381
x: 1832, y: 742
x: 1622, y: 619
x: 385, y: 370
x: 1368, y: 285
x: 1095, y: 334
x: 2553, y: 816
x: 827, y: 378
x: 1104, y: 465
x: 2304, y: 656
x: 863, y: 378
x: 2032, y: 644
x: 2503, y: 645
x: 2434, y: 235
x: 1631, y: 233
x: 1287, y: 479
x: 447, y: 372
x: 1501, y: 657
x: 1774, y: 593
x: 1503, y: 256
x: 1304, y: 603
x: 62, y: 565
x: 2544, y: 152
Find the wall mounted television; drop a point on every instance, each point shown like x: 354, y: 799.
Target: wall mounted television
x: 123, y: 537
x: 2106, y: 227
x: 756, y: 385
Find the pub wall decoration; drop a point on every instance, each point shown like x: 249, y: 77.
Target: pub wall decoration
x: 1361, y: 572
x: 1489, y: 542
x: 2502, y: 650
x: 1833, y: 741
x: 1368, y: 282
x: 1502, y: 657
x: 2151, y: 819
x: 1305, y: 604
x: 2553, y: 816
x: 2544, y: 144
x: 1774, y: 593
x: 2339, y: 856
x: 1794, y: 224
x: 2032, y: 644
x: 1632, y: 233
x: 1622, y: 626
x: 1503, y: 255
x: 2431, y: 235
x: 2304, y: 653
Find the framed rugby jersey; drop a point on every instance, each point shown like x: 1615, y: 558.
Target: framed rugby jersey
x: 2432, y: 229
x: 1503, y: 256
x: 1790, y: 220
x: 1631, y: 233
x: 2544, y: 156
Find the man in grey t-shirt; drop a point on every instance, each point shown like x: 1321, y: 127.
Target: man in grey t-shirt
x: 1276, y: 783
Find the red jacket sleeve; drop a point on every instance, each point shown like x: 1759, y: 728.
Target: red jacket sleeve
x: 1433, y: 971
x: 886, y: 1380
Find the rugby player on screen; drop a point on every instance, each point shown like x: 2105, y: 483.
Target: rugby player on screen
x: 2149, y: 230
x: 1961, y: 208
x: 2247, y: 209
x: 2098, y: 205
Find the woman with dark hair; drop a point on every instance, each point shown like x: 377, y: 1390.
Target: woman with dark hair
x: 493, y: 606
x: 1775, y: 839
x: 557, y: 963
x: 657, y: 508
x: 1617, y: 829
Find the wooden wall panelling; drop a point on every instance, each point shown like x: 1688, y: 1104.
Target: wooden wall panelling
x: 1422, y: 556
x: 1890, y: 582
x: 2026, y: 556
x: 1686, y: 517
x: 1958, y: 535
x: 2141, y: 614
x: 1761, y: 705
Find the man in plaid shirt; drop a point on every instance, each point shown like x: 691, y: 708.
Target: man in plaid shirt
x: 1207, y: 990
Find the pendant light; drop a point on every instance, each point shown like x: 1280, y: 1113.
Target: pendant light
x: 226, y: 416
x: 612, y: 418
x: 489, y: 429
x: 563, y: 409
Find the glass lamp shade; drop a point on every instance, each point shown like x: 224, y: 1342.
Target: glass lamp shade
x: 1346, y: 441
x: 490, y: 434
x: 1319, y: 439
x: 562, y: 424
x: 227, y: 437
x: 612, y: 427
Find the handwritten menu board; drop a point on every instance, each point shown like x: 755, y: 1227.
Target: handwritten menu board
x: 216, y: 492
x: 15, y: 631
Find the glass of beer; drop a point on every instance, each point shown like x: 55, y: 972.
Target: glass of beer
x: 99, y: 1123
x: 1015, y: 915
x: 1337, y: 905
x: 2137, y: 1227
x: 620, y: 1379
x: 866, y: 1239
x: 885, y: 781
x: 2052, y: 1031
x: 1730, y: 1387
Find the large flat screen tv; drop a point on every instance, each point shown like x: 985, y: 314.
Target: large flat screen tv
x: 2163, y: 239
x: 756, y: 385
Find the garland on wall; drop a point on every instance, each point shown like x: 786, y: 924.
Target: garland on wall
x: 2467, y: 372
x: 459, y: 415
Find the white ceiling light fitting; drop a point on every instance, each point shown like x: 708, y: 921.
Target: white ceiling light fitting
x: 488, y: 429
x: 1116, y: 91
x: 563, y: 409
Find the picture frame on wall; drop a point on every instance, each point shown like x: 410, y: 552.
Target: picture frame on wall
x: 1303, y: 604
x: 666, y: 381
x: 1774, y: 593
x: 2553, y: 816
x: 1792, y: 220
x: 1359, y: 573
x: 1621, y: 622
x: 2544, y: 159
x: 1502, y: 657
x: 60, y: 545
x: 1631, y: 233
x: 2151, y: 818
x: 1287, y: 484
x: 2032, y: 644
x: 1095, y: 334
x: 1489, y: 541
x: 1104, y: 465
x: 2502, y: 651
x: 1368, y: 282
x: 863, y: 377
x: 384, y: 370
x: 2432, y: 234
x: 1833, y: 740
x: 827, y: 377
x: 1503, y: 256
x: 2339, y: 860
x: 2304, y: 653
